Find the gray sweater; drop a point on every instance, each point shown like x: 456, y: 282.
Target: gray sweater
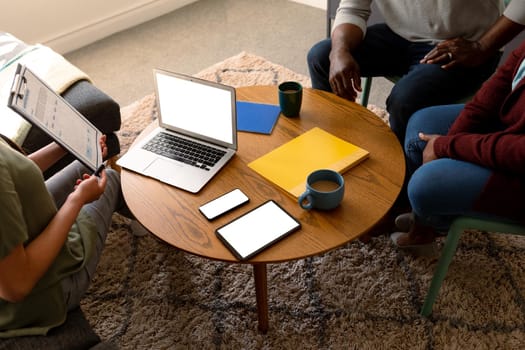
x: 432, y: 20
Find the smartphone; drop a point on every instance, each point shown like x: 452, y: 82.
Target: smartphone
x: 223, y: 204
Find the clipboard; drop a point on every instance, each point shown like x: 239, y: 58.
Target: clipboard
x: 40, y: 105
x: 256, y: 230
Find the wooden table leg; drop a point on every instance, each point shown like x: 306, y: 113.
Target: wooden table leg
x: 261, y: 294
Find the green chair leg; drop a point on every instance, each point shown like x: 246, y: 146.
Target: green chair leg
x: 365, y: 94
x: 449, y: 249
x: 492, y: 226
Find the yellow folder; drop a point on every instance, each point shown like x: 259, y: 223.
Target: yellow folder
x: 288, y: 165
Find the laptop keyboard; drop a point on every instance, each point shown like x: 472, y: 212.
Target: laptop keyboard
x: 183, y: 150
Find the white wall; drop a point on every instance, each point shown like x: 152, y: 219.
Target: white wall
x: 315, y: 3
x: 66, y: 25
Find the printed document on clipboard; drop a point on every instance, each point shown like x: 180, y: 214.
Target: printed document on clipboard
x: 37, y: 102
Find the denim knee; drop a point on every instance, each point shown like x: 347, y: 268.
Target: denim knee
x: 419, y: 190
x: 400, y: 109
x: 318, y: 59
x: 429, y: 120
x: 446, y: 187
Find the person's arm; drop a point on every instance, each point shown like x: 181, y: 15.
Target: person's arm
x: 483, y: 112
x: 345, y: 76
x: 24, y: 266
x: 48, y: 155
x: 461, y: 52
x: 503, y: 31
x: 499, y: 150
x: 348, y: 32
x: 476, y: 136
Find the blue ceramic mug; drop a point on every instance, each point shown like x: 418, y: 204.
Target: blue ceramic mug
x: 325, y: 190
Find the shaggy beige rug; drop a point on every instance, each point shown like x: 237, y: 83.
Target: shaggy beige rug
x: 148, y: 295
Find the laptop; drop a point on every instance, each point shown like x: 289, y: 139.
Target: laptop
x: 40, y: 105
x: 192, y: 113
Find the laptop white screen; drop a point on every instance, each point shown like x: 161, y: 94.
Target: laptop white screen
x: 195, y: 107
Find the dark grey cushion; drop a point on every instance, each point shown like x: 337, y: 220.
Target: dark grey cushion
x: 75, y: 333
x: 95, y: 105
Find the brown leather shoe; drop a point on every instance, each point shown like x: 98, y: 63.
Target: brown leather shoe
x: 404, y: 222
x: 425, y: 247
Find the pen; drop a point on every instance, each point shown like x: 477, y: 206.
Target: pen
x: 99, y: 170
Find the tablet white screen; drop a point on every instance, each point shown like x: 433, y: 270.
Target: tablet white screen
x: 258, y: 228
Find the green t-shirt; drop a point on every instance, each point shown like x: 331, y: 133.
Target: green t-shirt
x: 26, y: 208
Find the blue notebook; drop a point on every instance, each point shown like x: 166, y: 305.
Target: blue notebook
x: 256, y: 117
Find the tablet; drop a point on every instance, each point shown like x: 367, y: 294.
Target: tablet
x: 37, y: 102
x: 256, y: 230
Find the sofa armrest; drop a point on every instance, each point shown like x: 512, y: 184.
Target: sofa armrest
x: 95, y: 105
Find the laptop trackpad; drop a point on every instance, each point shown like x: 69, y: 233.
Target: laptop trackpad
x: 161, y: 168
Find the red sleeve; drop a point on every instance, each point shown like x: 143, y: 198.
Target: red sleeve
x: 501, y: 150
x: 479, y: 115
x: 490, y: 131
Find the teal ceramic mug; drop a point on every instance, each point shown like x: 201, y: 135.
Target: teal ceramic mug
x: 325, y: 190
x: 290, y: 98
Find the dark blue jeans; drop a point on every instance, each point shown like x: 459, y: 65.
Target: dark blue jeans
x: 444, y: 188
x: 384, y: 53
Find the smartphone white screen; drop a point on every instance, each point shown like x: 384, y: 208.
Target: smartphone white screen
x: 257, y: 229
x: 222, y: 204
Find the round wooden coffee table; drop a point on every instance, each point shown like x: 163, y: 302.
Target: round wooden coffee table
x: 371, y: 188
